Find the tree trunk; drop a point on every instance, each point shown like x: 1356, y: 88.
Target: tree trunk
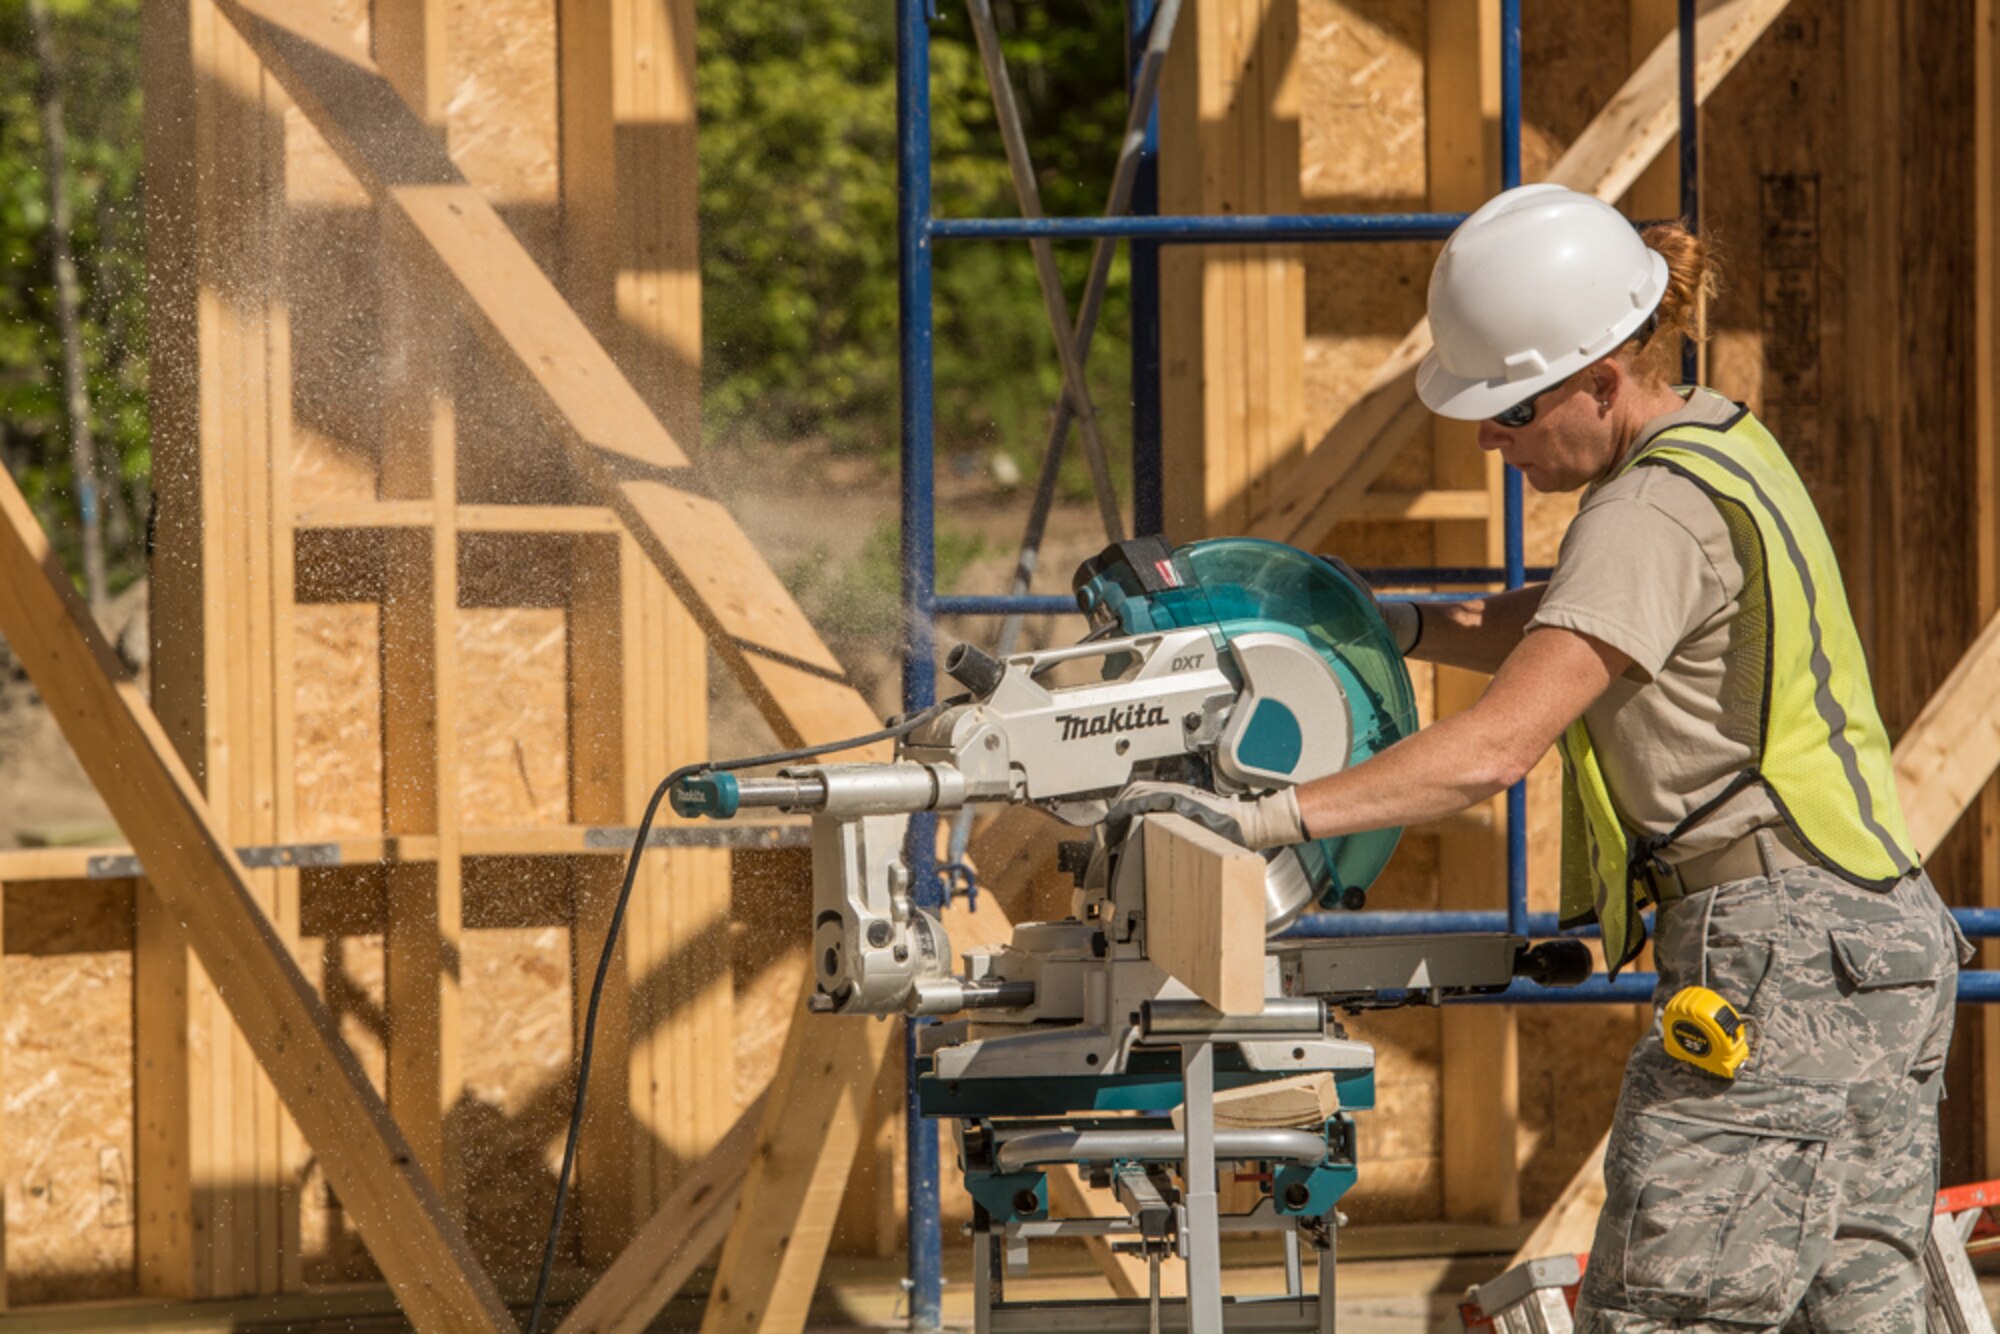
x: 69, y: 302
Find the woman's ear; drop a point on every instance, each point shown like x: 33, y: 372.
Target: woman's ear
x: 1606, y: 378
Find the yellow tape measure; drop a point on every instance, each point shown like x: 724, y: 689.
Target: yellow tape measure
x: 1703, y: 1029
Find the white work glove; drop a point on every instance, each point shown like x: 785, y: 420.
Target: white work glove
x: 1257, y: 823
x: 1404, y: 619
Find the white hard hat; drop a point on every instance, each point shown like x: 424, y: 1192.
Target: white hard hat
x: 1536, y: 285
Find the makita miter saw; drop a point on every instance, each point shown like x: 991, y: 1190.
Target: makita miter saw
x: 1236, y: 666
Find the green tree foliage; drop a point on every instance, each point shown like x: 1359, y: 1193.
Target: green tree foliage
x: 798, y: 215
x: 98, y: 46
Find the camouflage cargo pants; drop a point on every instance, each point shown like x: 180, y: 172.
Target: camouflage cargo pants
x: 1797, y: 1196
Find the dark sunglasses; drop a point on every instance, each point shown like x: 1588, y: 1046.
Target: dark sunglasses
x: 1523, y: 413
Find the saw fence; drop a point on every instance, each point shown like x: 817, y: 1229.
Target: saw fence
x: 436, y: 590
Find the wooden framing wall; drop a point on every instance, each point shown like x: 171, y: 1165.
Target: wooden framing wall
x: 531, y: 544
x: 422, y: 497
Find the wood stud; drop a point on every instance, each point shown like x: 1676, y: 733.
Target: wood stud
x: 1986, y: 487
x: 224, y: 400
x: 1233, y: 350
x: 419, y: 637
x: 1480, y: 1049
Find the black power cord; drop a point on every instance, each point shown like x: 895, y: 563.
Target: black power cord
x: 667, y: 785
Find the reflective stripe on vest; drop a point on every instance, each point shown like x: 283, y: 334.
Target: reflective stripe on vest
x: 1822, y: 753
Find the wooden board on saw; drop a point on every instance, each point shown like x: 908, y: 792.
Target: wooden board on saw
x: 1204, y: 913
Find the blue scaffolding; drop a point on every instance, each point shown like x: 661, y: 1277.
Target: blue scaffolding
x: 1145, y: 231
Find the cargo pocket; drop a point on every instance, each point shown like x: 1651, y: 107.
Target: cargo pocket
x: 1717, y: 1224
x: 1893, y: 1017
x: 1873, y: 960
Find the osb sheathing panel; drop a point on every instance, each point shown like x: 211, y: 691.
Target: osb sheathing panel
x: 340, y: 952
x: 517, y: 1086
x: 338, y: 719
x: 513, y: 717
x: 1361, y: 130
x: 517, y: 1053
x: 769, y: 931
x: 66, y: 1114
x: 502, y: 111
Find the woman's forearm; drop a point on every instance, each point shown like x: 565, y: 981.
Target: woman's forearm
x: 1445, y: 768
x: 1477, y: 635
x: 1462, y: 760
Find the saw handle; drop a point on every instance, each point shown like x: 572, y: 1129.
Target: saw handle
x: 717, y: 796
x: 721, y: 795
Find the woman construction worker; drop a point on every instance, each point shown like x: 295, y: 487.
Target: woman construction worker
x: 1693, y: 658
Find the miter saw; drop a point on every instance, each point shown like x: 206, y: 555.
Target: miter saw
x: 1238, y: 667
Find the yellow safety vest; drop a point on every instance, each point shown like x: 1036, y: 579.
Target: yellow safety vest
x: 1822, y: 752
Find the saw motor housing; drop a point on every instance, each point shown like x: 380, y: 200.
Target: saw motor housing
x: 1237, y: 666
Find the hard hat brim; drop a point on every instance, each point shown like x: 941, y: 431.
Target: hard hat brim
x: 1462, y: 398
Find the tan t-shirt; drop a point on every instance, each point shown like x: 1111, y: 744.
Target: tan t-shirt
x: 1647, y: 568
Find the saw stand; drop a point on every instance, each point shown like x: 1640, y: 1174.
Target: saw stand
x: 1024, y: 1102
x: 1163, y: 1221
